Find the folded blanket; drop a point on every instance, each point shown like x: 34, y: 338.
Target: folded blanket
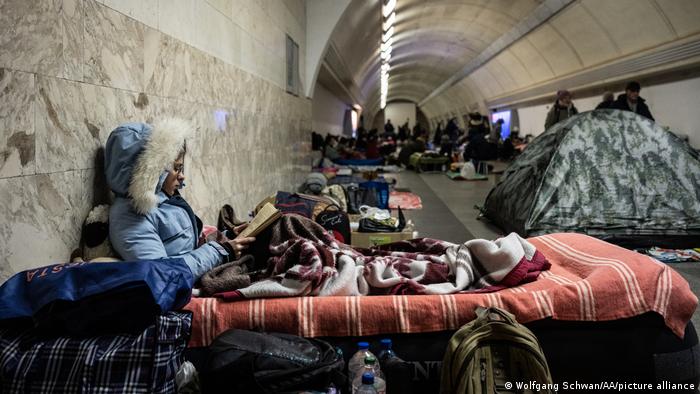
x: 226, y: 277
x: 305, y: 260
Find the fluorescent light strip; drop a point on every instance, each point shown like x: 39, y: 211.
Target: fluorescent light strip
x: 383, y: 46
x: 388, y: 8
x: 389, y: 33
x: 386, y: 48
x: 389, y: 22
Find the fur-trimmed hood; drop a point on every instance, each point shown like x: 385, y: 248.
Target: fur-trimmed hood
x: 138, y: 156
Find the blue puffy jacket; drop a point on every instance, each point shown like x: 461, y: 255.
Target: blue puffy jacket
x: 144, y: 223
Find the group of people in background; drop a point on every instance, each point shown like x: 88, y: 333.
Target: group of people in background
x: 564, y: 108
x: 480, y: 141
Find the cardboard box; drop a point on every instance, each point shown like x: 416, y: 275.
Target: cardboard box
x: 368, y: 240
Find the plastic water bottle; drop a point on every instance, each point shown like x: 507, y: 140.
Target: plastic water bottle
x: 371, y: 367
x: 367, y: 386
x: 357, y: 362
x: 386, y: 352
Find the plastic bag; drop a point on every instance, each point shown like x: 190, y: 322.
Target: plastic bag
x: 187, y: 379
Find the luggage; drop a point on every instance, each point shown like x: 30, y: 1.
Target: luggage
x: 243, y: 361
x: 145, y: 362
x: 85, y: 298
x: 338, y: 194
x: 491, y: 354
x: 302, y: 204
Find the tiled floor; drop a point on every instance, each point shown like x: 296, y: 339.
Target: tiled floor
x: 448, y: 213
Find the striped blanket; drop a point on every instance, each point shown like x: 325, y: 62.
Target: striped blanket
x: 589, y: 280
x: 305, y: 260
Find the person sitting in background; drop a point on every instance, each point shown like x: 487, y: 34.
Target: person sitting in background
x: 372, y: 145
x: 630, y: 101
x: 149, y: 219
x: 562, y: 109
x: 330, y: 150
x: 608, y: 101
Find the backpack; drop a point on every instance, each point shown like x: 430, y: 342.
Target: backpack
x: 338, y: 194
x: 493, y: 352
x: 336, y: 222
x: 243, y: 361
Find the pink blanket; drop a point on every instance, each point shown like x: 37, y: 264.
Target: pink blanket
x: 405, y: 200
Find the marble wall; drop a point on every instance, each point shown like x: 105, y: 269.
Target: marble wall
x: 72, y: 70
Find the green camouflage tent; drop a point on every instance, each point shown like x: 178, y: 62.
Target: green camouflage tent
x: 611, y: 174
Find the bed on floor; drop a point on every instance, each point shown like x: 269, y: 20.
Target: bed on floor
x: 600, y: 312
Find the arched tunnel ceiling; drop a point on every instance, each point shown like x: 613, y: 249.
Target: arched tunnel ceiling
x: 435, y: 40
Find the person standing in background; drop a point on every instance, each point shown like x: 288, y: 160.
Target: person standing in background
x: 630, y: 101
x: 562, y: 109
x: 608, y: 101
x: 495, y: 133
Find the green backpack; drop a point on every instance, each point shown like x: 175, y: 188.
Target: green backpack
x: 494, y: 354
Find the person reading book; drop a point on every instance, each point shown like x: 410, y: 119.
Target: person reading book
x: 149, y: 219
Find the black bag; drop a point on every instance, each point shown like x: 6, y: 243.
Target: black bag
x: 367, y: 225
x: 337, y: 222
x: 243, y: 361
x: 302, y: 204
x: 354, y: 198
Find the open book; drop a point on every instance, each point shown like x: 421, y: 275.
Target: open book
x: 267, y: 215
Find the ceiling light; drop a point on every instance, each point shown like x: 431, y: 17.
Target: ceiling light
x: 389, y: 33
x: 383, y: 54
x: 388, y: 8
x: 387, y: 44
x: 389, y: 22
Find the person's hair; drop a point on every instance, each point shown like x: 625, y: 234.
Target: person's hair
x: 633, y: 86
x: 608, y: 96
x: 563, y: 93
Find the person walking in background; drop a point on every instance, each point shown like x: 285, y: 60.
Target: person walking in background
x: 630, y: 101
x: 495, y: 133
x: 562, y: 109
x: 608, y: 101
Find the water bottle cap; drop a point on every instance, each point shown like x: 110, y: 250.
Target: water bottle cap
x: 370, y: 360
x: 367, y: 378
x: 363, y: 345
x: 386, y: 343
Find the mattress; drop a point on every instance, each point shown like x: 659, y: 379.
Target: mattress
x: 590, y: 280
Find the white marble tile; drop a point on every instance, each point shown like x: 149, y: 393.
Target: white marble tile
x: 144, y: 11
x: 73, y: 21
x: 42, y: 215
x: 225, y: 7
x: 17, y: 140
x: 169, y: 65
x: 114, y: 48
x: 175, y: 18
x: 74, y: 119
x: 216, y: 34
x: 32, y: 36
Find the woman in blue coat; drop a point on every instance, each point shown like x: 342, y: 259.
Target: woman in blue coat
x: 144, y: 167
